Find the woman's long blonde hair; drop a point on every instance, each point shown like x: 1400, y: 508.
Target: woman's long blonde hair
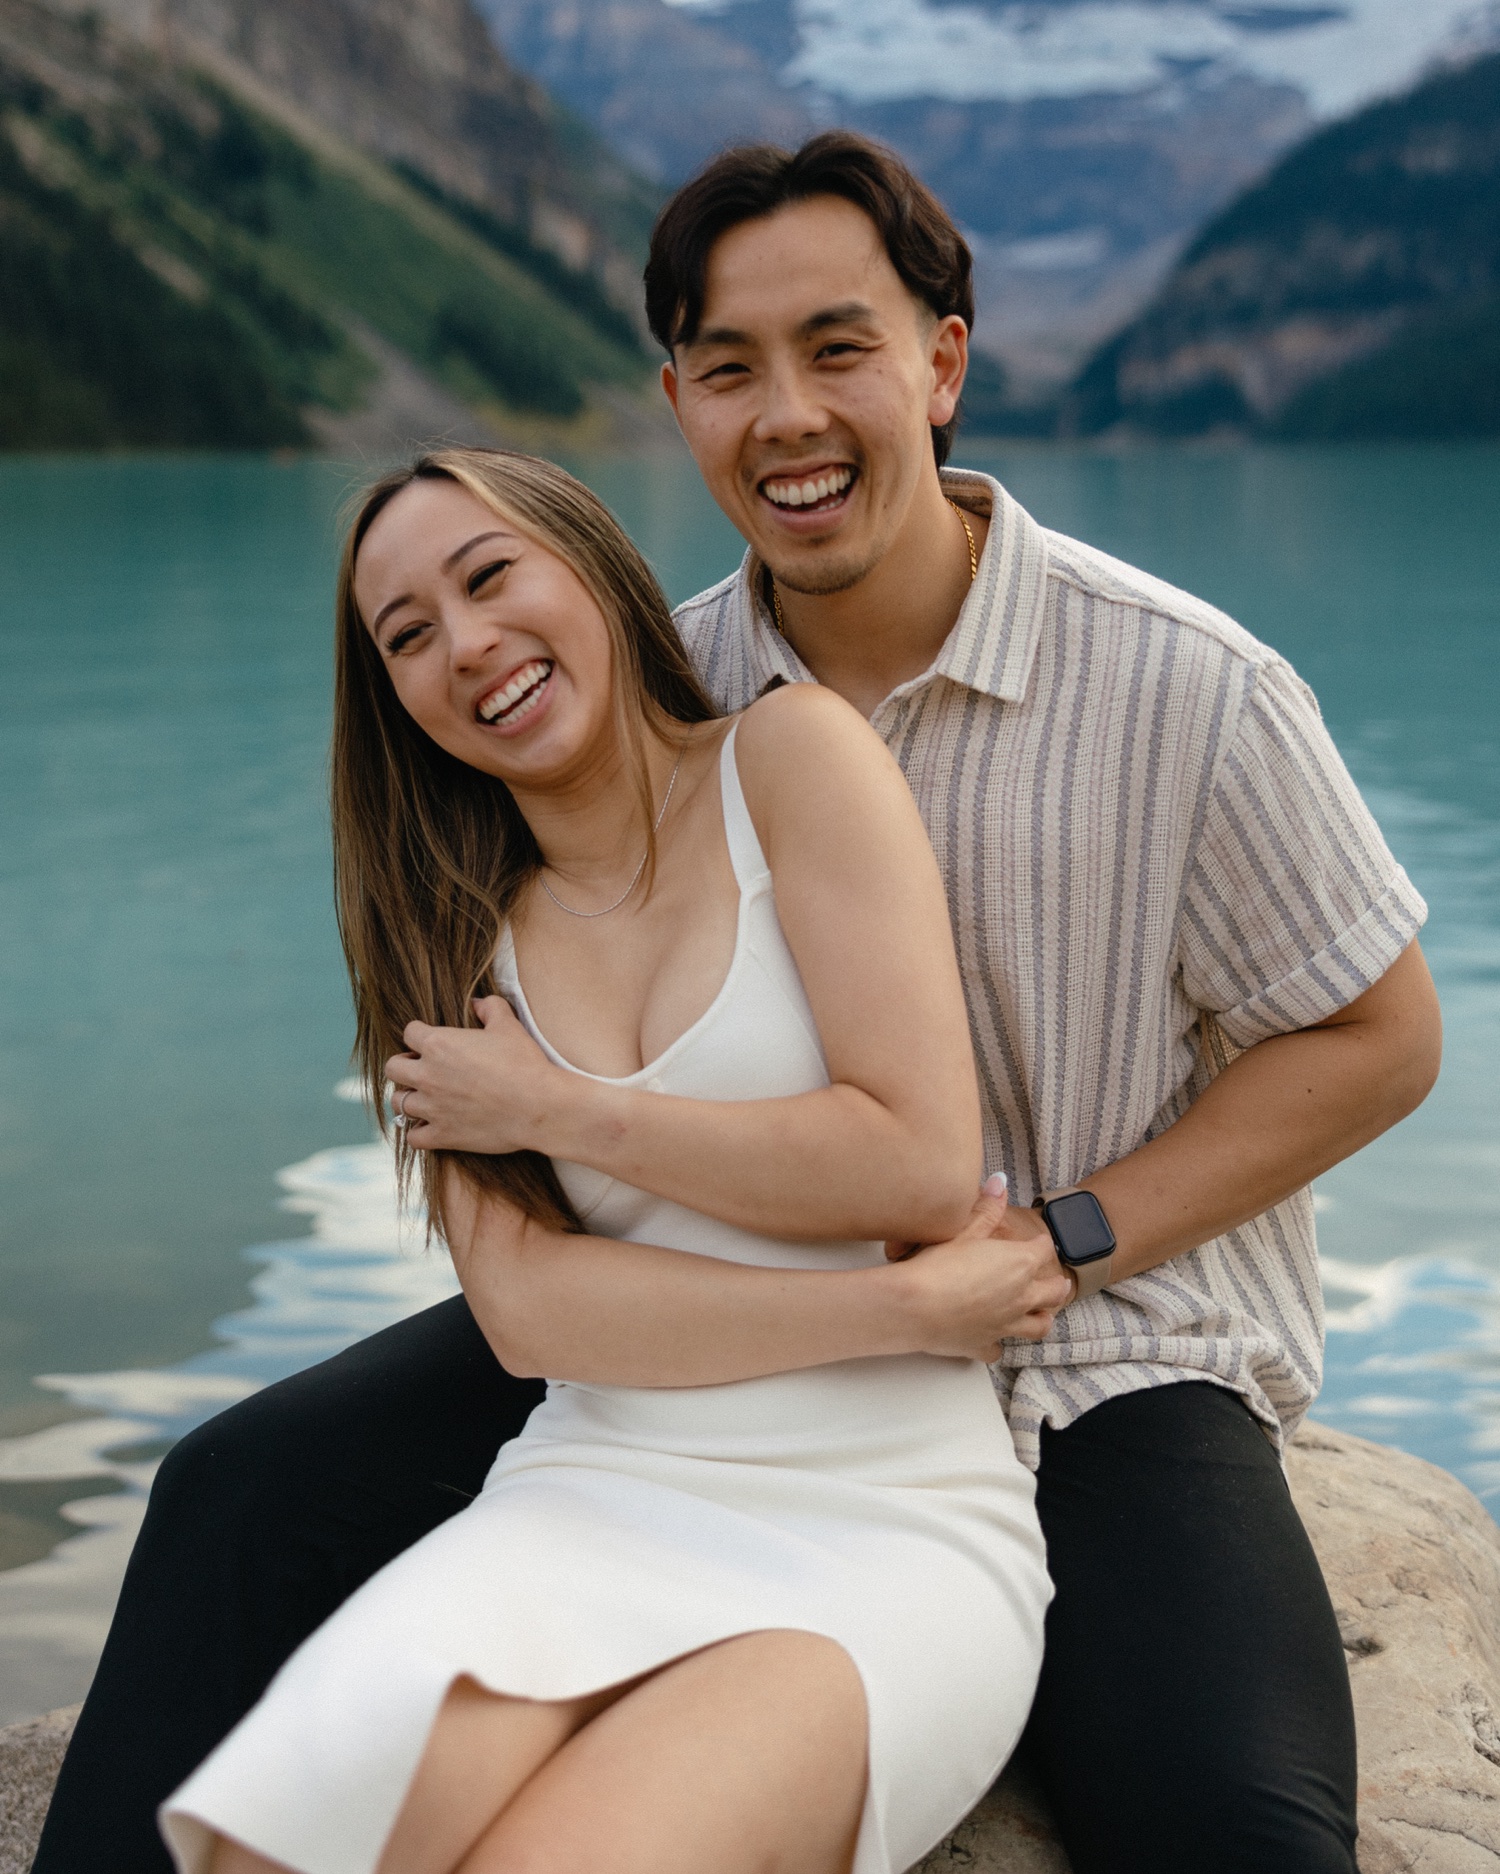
x: 430, y: 854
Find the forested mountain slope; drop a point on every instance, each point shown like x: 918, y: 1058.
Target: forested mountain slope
x: 203, y: 242
x: 1355, y: 292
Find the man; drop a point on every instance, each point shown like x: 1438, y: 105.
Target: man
x: 1193, y: 985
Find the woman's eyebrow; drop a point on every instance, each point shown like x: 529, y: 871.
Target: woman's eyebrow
x: 386, y: 610
x: 468, y: 546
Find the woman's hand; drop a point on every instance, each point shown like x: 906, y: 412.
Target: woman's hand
x: 999, y: 1279
x: 487, y: 1089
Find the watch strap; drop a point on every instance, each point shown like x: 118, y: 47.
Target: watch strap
x: 1090, y: 1277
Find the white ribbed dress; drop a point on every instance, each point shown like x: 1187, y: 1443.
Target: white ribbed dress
x: 877, y: 1502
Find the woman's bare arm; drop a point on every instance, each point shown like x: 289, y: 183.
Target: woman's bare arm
x: 892, y: 1147
x: 612, y: 1313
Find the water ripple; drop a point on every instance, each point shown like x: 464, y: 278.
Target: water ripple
x: 361, y: 1267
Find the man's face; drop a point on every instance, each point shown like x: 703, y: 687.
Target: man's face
x: 809, y: 393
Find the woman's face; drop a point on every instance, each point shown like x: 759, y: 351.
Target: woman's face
x: 494, y: 645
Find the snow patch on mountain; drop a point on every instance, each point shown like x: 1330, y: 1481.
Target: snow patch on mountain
x: 1337, y: 55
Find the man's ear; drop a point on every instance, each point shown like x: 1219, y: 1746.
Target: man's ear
x: 669, y: 385
x: 950, y: 366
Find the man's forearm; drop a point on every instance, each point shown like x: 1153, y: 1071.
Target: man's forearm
x: 1277, y: 1117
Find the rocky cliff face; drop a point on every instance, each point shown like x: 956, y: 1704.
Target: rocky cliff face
x: 1080, y: 146
x: 666, y: 88
x: 1356, y: 291
x: 420, y: 82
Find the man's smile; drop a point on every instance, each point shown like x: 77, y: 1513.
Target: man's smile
x: 822, y: 489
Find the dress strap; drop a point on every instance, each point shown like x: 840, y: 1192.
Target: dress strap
x: 507, y: 977
x: 745, y: 853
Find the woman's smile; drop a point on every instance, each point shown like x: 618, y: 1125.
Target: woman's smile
x: 510, y: 705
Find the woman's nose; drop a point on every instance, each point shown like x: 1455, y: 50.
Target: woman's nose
x: 471, y: 638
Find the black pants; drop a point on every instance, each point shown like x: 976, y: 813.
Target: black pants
x: 1194, y: 1709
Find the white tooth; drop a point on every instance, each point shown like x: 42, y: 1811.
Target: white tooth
x: 821, y: 487
x: 501, y: 701
x: 809, y: 493
x: 793, y: 496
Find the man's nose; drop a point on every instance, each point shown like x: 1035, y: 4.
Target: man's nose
x: 790, y: 407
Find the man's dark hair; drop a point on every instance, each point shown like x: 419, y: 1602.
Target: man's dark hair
x: 743, y: 184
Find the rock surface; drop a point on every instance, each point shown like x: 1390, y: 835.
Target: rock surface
x: 29, y: 1758
x: 1413, y: 1563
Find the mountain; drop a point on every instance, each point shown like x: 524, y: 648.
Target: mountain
x: 1355, y: 292
x: 663, y: 85
x: 1080, y: 142
x: 272, y: 221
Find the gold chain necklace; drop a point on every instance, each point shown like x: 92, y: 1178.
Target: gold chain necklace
x: 973, y: 567
x: 635, y: 878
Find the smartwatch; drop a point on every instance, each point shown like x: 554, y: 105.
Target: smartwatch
x: 1084, y: 1241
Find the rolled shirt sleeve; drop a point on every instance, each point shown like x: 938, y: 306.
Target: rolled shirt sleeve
x: 1294, y: 904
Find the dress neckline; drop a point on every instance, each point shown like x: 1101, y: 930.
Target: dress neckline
x: 747, y: 876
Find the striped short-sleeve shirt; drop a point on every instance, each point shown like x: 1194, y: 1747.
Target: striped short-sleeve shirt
x: 1154, y: 858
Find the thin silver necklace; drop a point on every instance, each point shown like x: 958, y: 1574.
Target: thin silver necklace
x: 635, y: 878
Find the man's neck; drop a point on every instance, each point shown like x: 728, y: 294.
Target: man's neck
x: 868, y: 640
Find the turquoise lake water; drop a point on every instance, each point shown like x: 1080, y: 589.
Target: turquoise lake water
x: 173, y: 1016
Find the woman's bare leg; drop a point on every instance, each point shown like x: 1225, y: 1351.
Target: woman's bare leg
x: 481, y: 1750
x: 746, y: 1758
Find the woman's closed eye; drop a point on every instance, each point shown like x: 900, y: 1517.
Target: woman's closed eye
x: 403, y: 636
x: 481, y: 575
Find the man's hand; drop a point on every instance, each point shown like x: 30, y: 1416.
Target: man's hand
x: 998, y: 1279
x: 486, y: 1089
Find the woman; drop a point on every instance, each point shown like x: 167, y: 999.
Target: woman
x: 769, y: 1606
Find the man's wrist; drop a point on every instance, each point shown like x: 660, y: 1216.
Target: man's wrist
x: 1082, y: 1237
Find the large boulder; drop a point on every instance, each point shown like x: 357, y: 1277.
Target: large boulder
x: 1413, y: 1562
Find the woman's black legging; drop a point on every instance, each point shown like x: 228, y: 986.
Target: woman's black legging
x: 1194, y: 1711
x: 1194, y: 1714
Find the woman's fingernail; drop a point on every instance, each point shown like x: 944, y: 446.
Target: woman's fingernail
x: 996, y: 1184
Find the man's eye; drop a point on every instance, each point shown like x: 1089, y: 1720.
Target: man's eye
x: 479, y: 577
x: 840, y: 348
x: 723, y: 373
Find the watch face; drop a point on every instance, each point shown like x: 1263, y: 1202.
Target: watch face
x: 1080, y: 1227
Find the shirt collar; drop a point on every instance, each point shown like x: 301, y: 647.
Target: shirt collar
x: 993, y: 642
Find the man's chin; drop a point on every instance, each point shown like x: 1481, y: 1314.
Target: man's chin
x: 826, y: 578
